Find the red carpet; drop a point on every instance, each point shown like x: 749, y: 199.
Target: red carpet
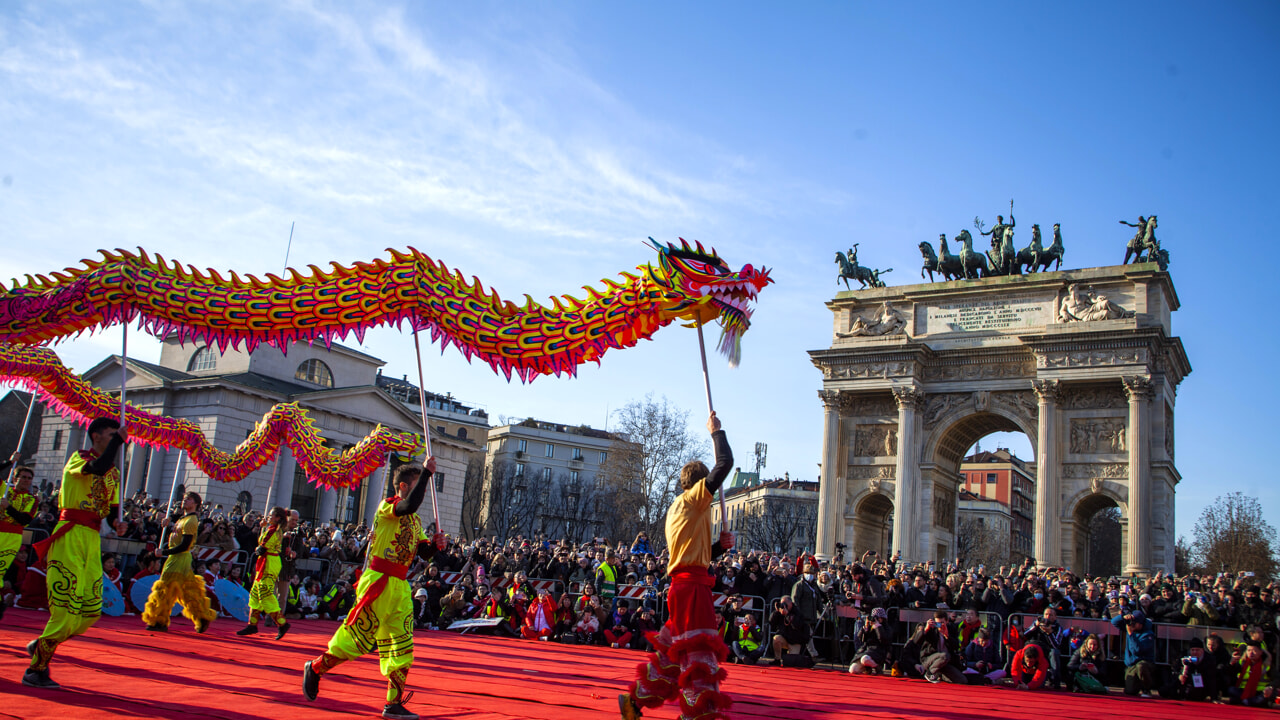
x: 120, y: 670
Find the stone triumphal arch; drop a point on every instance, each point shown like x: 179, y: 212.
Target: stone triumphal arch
x: 1083, y: 362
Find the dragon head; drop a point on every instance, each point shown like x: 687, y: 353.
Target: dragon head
x: 700, y: 288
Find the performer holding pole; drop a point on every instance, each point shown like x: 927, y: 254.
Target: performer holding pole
x: 382, y: 618
x: 177, y: 581
x: 426, y: 431
x: 17, y: 452
x: 17, y: 509
x: 262, y: 596
x: 90, y: 484
x: 688, y: 649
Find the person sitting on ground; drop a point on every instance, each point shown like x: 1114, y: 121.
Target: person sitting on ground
x: 309, y: 601
x: 1050, y: 636
x: 336, y: 601
x: 875, y: 642
x: 1139, y: 653
x: 935, y: 641
x: 747, y: 644
x: 1087, y: 664
x: 619, y: 634
x: 643, y: 622
x: 1250, y: 664
x: 1197, y: 676
x: 452, y: 607
x: 982, y: 657
x: 540, y: 618
x: 791, y: 632
x: 1029, y: 669
x: 587, y: 626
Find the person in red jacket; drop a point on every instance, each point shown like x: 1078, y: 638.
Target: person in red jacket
x: 1029, y: 669
x: 540, y: 619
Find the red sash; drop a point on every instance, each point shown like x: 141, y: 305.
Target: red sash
x: 260, y: 566
x: 388, y: 570
x: 10, y: 527
x: 68, y: 518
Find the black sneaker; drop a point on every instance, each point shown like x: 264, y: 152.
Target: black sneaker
x: 282, y: 629
x: 628, y: 707
x: 932, y: 677
x: 158, y: 628
x: 39, y: 679
x: 396, y: 711
x: 310, y: 682
x: 202, y: 624
x: 248, y: 630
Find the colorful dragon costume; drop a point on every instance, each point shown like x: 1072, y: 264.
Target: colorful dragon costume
x: 689, y: 283
x: 41, y: 372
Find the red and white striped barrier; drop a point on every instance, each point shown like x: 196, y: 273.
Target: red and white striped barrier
x: 502, y: 583
x: 208, y: 553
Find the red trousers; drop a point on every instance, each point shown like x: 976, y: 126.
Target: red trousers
x: 687, y: 653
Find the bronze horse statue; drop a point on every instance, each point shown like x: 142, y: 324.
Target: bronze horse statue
x: 852, y: 270
x: 948, y: 265
x: 973, y: 263
x: 1036, y: 257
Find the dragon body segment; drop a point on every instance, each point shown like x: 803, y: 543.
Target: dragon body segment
x: 689, y: 283
x: 41, y: 372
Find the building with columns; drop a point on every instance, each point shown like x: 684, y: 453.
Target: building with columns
x: 1083, y: 362
x: 227, y: 393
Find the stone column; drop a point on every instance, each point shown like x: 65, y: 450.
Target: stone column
x: 1139, y: 438
x: 377, y: 482
x: 1048, y: 535
x: 906, y: 490
x: 282, y: 495
x: 830, y: 502
x: 327, y: 505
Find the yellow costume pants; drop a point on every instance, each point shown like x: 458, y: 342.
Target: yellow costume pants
x: 174, y: 587
x: 9, y: 544
x: 262, y: 596
x: 385, y: 625
x: 74, y: 583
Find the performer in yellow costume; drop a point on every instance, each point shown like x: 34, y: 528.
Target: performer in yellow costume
x: 177, y: 580
x: 16, y: 511
x: 262, y: 596
x: 382, y: 618
x: 73, y: 553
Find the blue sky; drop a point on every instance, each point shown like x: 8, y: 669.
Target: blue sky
x: 535, y: 145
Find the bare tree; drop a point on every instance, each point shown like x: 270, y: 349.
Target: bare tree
x: 571, y: 509
x: 1232, y: 536
x: 644, y: 478
x: 511, y: 504
x: 980, y: 544
x: 777, y: 524
x: 1182, y: 552
x: 473, y: 496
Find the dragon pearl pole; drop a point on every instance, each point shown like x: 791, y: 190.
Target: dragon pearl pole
x: 426, y: 431
x: 275, y: 475
x: 173, y: 491
x: 706, y: 382
x: 124, y: 378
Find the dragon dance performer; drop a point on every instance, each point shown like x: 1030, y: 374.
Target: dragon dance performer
x: 688, y: 649
x: 16, y: 512
x: 262, y: 596
x: 178, y: 582
x: 73, y: 553
x: 382, y: 618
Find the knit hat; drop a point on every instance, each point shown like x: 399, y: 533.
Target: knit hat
x: 879, y: 613
x: 422, y: 592
x: 1197, y: 643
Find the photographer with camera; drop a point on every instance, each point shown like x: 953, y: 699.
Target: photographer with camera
x: 1051, y: 638
x: 1197, y: 677
x: 747, y: 640
x: 937, y: 656
x: 1198, y: 610
x: 1139, y: 653
x: 792, y: 633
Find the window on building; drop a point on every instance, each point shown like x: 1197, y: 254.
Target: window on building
x: 546, y: 475
x: 573, y: 502
x: 204, y: 359
x: 462, y: 433
x: 573, y: 477
x: 603, y: 457
x: 315, y: 372
x: 577, y: 453
x: 991, y: 477
x: 551, y: 450
x: 520, y: 470
x: 439, y: 478
x: 245, y: 500
x: 57, y: 439
x: 522, y: 446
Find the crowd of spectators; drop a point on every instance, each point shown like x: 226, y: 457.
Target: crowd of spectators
x: 778, y: 605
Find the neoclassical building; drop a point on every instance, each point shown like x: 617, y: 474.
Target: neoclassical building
x: 1084, y: 362
x: 227, y: 393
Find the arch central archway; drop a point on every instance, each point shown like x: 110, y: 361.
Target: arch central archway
x: 872, y: 526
